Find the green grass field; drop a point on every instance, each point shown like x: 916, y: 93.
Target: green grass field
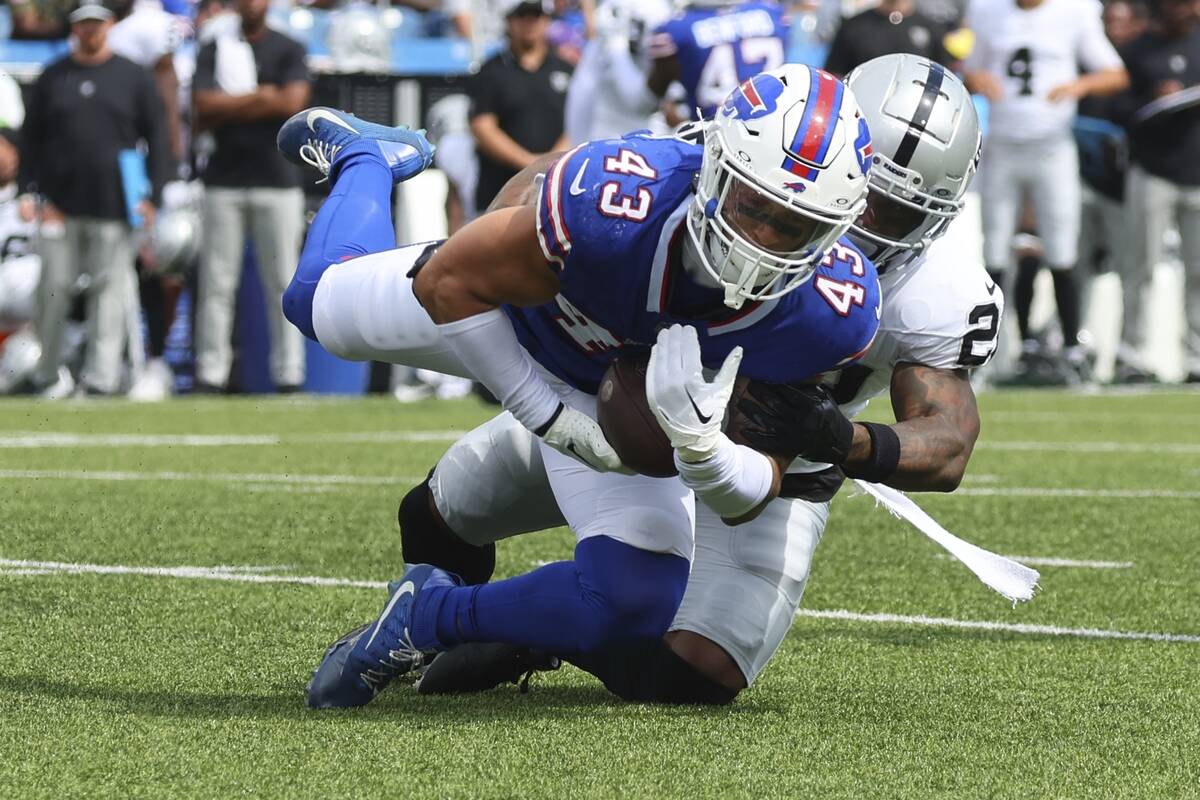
x: 190, y: 683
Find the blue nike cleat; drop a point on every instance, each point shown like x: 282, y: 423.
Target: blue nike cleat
x: 363, y: 662
x: 318, y: 136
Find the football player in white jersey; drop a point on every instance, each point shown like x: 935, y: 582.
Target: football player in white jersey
x: 608, y: 96
x: 940, y: 319
x: 1027, y: 60
x: 147, y: 35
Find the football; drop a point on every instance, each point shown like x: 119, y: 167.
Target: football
x: 627, y: 421
x: 629, y: 425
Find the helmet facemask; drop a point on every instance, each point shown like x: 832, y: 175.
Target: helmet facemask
x: 900, y: 219
x: 756, y: 242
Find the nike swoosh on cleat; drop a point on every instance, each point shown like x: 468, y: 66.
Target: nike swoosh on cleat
x: 320, y: 113
x: 577, y: 184
x: 699, y: 415
x: 408, y: 587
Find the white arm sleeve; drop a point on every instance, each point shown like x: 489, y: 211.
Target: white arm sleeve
x: 734, y: 481
x: 488, y: 347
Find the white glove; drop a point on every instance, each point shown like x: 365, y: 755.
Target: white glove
x: 689, y: 408
x: 577, y: 435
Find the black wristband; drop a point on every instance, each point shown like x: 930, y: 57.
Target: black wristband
x: 545, y: 426
x: 885, y: 454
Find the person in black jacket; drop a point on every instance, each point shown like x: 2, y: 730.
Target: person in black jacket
x: 1164, y: 175
x: 85, y: 109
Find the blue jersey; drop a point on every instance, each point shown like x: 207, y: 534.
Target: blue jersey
x: 611, y: 220
x: 719, y: 48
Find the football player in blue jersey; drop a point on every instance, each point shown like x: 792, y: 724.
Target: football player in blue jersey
x: 941, y: 317
x: 712, y: 46
x: 735, y: 234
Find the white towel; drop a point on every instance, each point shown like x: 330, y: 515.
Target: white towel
x: 236, y: 72
x: 1014, y: 581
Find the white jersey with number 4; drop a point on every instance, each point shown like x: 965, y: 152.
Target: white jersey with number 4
x: 1033, y: 51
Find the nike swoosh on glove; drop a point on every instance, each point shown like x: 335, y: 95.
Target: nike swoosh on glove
x: 577, y: 435
x: 689, y: 409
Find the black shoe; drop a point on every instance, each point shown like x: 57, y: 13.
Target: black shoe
x: 478, y: 667
x: 1192, y: 377
x: 1126, y: 373
x: 200, y: 387
x: 288, y: 388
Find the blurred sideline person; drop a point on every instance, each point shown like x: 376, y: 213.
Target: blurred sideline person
x: 1104, y: 231
x: 893, y: 26
x: 149, y: 36
x: 450, y: 132
x: 1164, y: 178
x: 712, y: 46
x: 245, y: 86
x: 1026, y: 62
x: 83, y: 111
x: 518, y: 99
x: 40, y: 19
x: 747, y: 579
x: 20, y: 268
x: 608, y: 96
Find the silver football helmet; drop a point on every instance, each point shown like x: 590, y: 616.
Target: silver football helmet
x: 926, y: 140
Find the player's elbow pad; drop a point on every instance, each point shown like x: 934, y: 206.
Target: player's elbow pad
x: 733, y: 482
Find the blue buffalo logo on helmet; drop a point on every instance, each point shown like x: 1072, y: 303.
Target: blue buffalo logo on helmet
x: 862, y: 146
x: 755, y: 98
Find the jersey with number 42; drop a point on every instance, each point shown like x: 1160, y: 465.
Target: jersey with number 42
x: 719, y: 48
x: 611, y: 219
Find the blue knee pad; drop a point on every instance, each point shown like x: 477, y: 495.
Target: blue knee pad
x: 632, y: 593
x: 298, y: 296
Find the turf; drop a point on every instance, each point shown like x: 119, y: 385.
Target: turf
x: 129, y: 685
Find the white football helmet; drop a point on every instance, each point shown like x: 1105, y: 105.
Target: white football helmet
x: 784, y: 175
x: 926, y: 149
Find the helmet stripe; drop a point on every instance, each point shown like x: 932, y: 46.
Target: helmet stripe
x: 920, y: 117
x: 815, y: 132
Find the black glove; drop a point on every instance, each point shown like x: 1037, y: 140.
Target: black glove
x: 801, y: 421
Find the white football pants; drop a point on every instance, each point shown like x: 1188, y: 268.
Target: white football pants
x: 746, y: 582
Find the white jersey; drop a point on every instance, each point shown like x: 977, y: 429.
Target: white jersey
x: 608, y: 96
x: 147, y: 34
x: 19, y: 266
x: 941, y: 311
x: 1033, y: 51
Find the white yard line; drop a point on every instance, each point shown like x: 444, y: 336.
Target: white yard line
x: 1038, y: 491
x: 1157, y: 448
x: 1089, y: 416
x: 218, y: 477
x: 251, y: 574
x: 258, y: 574
x: 1007, y: 627
x: 39, y: 439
